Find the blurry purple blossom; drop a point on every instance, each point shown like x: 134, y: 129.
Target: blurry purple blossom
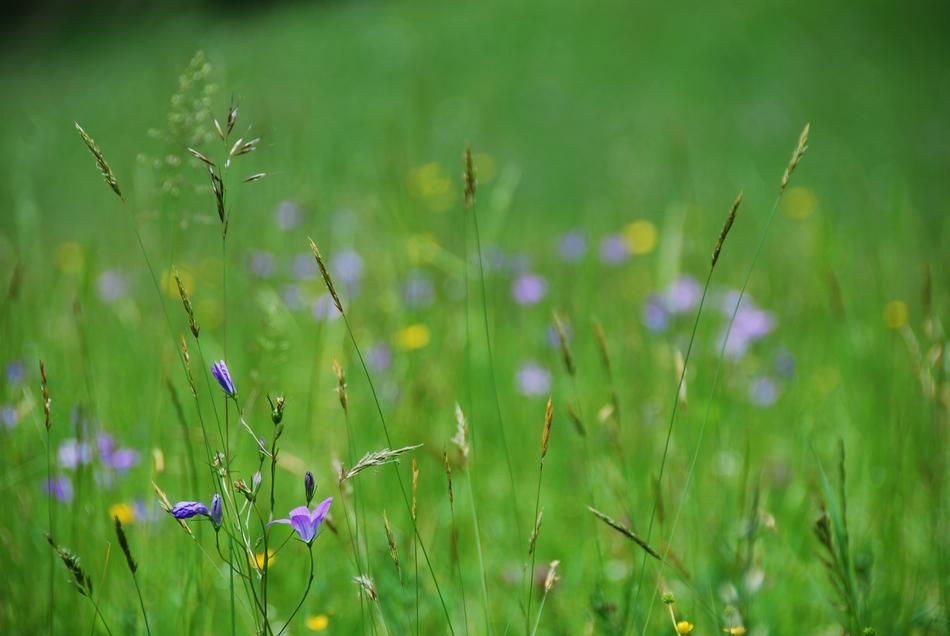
x: 379, y: 357
x: 8, y: 415
x: 347, y: 268
x: 262, y: 264
x: 105, y: 444
x: 288, y: 215
x: 533, y: 379
x: 728, y: 299
x: 60, y: 487
x: 291, y: 296
x: 417, y: 290
x: 111, y: 286
x: 122, y: 459
x: 751, y: 324
x: 613, y: 249
x: 763, y: 391
x: 15, y: 372
x: 682, y: 294
x: 72, y: 453
x: 656, y: 317
x: 304, y: 266
x: 325, y: 309
x: 529, y: 289
x: 572, y: 247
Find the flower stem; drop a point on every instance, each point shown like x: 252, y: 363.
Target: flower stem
x: 305, y: 593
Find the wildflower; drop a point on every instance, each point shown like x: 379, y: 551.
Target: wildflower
x: 529, y: 289
x: 287, y: 215
x: 324, y: 308
x: 262, y: 264
x: 379, y: 357
x: 305, y: 522
x: 8, y: 415
x: 613, y: 249
x: 895, y: 314
x: 318, y: 623
x: 763, y: 392
x: 216, y: 511
x: 291, y: 296
x: 656, y: 317
x: 417, y: 290
x: 15, y: 372
x: 640, y: 236
x: 348, y: 269
x: 751, y: 324
x: 682, y: 294
x: 72, y: 453
x: 533, y: 379
x: 189, y: 509
x: 413, y: 337
x: 123, y: 512
x: 60, y: 487
x: 572, y: 247
x: 309, y: 486
x: 304, y: 267
x: 123, y: 459
x: 735, y: 631
x: 684, y: 627
x: 258, y: 559
x: 111, y: 286
x: 220, y: 372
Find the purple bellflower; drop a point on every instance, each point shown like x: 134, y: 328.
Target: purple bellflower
x: 216, y: 511
x: 220, y: 372
x: 189, y: 509
x: 305, y: 522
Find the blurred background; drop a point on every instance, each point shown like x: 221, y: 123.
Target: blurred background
x: 610, y: 139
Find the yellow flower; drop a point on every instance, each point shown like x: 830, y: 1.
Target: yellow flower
x: 259, y: 559
x: 640, y: 236
x: 413, y: 337
x: 735, y: 631
x: 318, y: 623
x: 429, y: 183
x: 684, y: 627
x: 69, y: 258
x: 799, y: 203
x: 123, y: 511
x: 895, y: 314
x: 170, y: 287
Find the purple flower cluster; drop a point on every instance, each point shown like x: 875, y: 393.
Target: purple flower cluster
x: 680, y: 297
x: 74, y: 453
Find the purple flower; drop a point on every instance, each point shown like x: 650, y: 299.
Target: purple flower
x: 304, y: 266
x: 533, y: 379
x: 220, y: 372
x: 682, y: 295
x: 72, y: 453
x: 656, y: 317
x: 529, y: 289
x: 216, y: 511
x: 613, y: 249
x: 288, y: 215
x: 60, y: 487
x: 111, y: 286
x: 305, y: 522
x: 122, y: 459
x: 15, y: 372
x: 379, y: 357
x: 8, y: 415
x: 763, y: 392
x: 309, y: 486
x: 189, y: 509
x: 105, y: 444
x: 262, y: 264
x: 417, y: 290
x: 347, y: 268
x: 572, y: 247
x: 324, y: 309
x: 291, y: 296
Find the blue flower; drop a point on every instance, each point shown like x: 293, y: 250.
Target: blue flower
x: 216, y: 511
x: 220, y: 372
x: 189, y: 509
x: 305, y: 522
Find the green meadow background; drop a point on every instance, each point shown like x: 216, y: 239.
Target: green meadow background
x: 606, y: 118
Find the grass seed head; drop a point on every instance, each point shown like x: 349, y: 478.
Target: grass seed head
x: 124, y: 544
x: 100, y: 160
x: 546, y: 434
x: 725, y: 228
x: 326, y: 275
x: 796, y: 157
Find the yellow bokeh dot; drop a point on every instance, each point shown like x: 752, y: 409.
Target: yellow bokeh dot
x: 422, y: 248
x: 170, y: 287
x: 799, y: 203
x: 485, y: 167
x: 895, y: 314
x: 210, y: 313
x: 69, y: 258
x: 413, y: 337
x: 259, y: 559
x: 124, y: 512
x: 640, y: 236
x: 318, y: 623
x: 430, y: 183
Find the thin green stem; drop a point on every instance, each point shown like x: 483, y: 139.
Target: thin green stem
x: 305, y: 593
x: 138, y: 591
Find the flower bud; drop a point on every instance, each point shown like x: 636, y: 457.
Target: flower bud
x: 216, y: 510
x: 309, y: 486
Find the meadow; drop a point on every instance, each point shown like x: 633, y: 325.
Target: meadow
x: 558, y: 318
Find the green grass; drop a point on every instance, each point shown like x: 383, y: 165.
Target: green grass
x: 593, y: 116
